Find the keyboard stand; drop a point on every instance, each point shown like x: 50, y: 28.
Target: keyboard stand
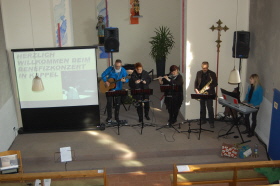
x: 235, y: 121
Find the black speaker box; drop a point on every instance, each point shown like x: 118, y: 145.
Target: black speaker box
x: 111, y: 39
x: 241, y: 42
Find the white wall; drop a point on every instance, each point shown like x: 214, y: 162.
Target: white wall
x: 201, y: 45
x: 84, y: 16
x: 8, y: 119
x: 8, y: 125
x: 19, y: 32
x: 264, y: 120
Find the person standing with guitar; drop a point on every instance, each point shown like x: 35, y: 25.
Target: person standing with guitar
x: 140, y: 79
x: 112, y: 79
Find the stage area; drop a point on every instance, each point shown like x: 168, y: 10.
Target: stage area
x: 153, y: 151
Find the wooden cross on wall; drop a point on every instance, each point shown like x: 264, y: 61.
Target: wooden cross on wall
x: 219, y: 28
x: 218, y: 41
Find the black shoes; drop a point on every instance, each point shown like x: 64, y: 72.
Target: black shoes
x: 147, y: 117
x: 117, y: 120
x: 245, y: 131
x: 171, y: 122
x: 202, y: 122
x: 250, y: 135
x: 109, y: 120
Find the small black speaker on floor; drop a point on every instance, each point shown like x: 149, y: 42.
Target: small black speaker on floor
x: 241, y: 42
x: 111, y: 39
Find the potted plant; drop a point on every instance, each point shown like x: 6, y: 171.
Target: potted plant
x: 162, y: 43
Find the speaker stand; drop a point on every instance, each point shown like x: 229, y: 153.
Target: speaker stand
x: 112, y: 62
x: 239, y: 74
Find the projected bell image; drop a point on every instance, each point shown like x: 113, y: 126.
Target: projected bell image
x: 37, y: 84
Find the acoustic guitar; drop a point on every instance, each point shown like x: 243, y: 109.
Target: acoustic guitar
x: 104, y: 89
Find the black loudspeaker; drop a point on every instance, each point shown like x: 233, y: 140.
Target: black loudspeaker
x: 111, y: 39
x: 241, y: 42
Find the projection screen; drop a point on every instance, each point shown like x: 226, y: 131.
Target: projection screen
x: 69, y: 77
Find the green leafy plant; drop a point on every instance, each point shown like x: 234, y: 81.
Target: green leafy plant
x: 162, y: 43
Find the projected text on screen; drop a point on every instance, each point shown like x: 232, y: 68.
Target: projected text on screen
x: 69, y: 77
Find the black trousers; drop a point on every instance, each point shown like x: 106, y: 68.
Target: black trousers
x: 173, y: 105
x: 117, y: 102
x: 254, y: 122
x: 209, y: 104
x: 101, y: 40
x: 139, y: 108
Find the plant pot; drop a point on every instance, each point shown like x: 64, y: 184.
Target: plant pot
x: 160, y: 65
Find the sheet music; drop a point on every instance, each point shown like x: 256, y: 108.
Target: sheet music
x: 37, y: 182
x: 65, y: 154
x: 183, y: 168
x: 100, y: 171
x: 8, y: 162
x: 47, y: 182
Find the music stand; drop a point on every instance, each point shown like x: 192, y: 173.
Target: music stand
x: 141, y: 93
x: 113, y: 94
x: 169, y: 92
x: 204, y: 97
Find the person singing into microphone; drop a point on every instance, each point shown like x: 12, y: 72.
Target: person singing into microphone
x: 173, y: 102
x: 140, y: 79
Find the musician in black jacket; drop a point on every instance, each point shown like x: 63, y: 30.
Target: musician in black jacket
x: 174, y: 97
x: 140, y: 79
x: 206, y: 81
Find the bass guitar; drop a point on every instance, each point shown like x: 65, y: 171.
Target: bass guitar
x: 104, y: 89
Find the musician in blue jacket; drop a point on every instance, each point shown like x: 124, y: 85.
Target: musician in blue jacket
x: 118, y: 73
x: 254, y: 98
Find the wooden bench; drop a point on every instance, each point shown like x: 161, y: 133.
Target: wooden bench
x: 230, y: 173
x: 90, y: 177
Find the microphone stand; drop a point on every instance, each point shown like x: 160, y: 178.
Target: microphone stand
x: 202, y: 97
x: 141, y: 93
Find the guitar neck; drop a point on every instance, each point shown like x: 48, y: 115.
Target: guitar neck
x: 115, y: 81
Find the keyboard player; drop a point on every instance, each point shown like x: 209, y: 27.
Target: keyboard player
x: 254, y: 97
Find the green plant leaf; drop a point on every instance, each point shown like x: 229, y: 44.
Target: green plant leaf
x: 162, y: 43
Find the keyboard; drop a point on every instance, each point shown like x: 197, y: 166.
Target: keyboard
x: 244, y: 108
x: 247, y: 105
x: 238, y: 107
